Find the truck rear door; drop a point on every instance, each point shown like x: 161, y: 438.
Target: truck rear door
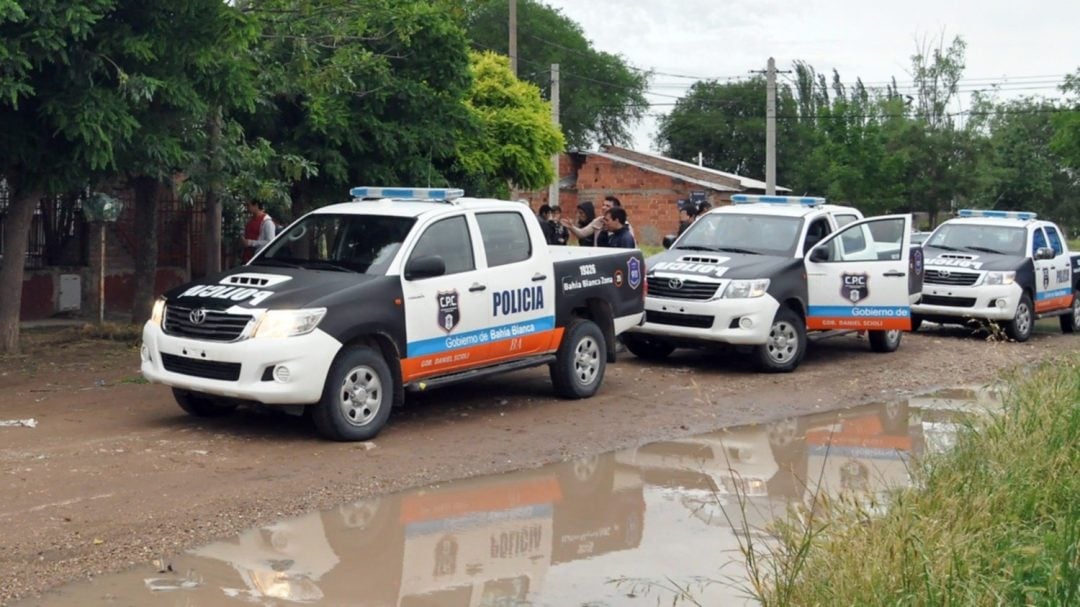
x: 858, y: 277
x: 1053, y: 277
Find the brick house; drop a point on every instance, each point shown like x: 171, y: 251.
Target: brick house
x: 648, y: 185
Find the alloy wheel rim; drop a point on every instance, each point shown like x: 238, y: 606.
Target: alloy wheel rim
x: 360, y: 396
x: 783, y: 342
x: 586, y: 361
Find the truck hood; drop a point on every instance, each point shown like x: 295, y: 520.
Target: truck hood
x: 262, y: 287
x: 708, y: 264
x: 971, y: 260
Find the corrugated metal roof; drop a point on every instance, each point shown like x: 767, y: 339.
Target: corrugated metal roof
x: 711, y: 178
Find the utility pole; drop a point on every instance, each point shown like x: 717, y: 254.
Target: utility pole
x: 513, y: 36
x: 770, y: 124
x: 553, y: 189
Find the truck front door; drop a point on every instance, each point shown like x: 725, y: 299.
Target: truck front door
x: 1053, y: 277
x: 857, y: 278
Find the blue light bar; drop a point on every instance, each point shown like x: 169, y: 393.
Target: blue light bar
x: 1021, y: 215
x: 806, y: 201
x: 436, y: 194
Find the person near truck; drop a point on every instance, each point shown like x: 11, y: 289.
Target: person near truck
x: 562, y: 235
x: 595, y: 231
x: 546, y: 225
x: 259, y: 230
x: 585, y: 216
x: 617, y: 230
x: 687, y: 214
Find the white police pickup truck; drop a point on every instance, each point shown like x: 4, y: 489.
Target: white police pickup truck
x: 400, y: 289
x: 1001, y: 266
x: 767, y: 269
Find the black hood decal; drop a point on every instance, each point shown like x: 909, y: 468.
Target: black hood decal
x: 267, y: 287
x: 719, y: 265
x: 971, y: 260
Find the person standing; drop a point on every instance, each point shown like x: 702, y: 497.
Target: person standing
x: 617, y: 230
x: 259, y: 230
x: 583, y: 230
x: 687, y: 214
x: 546, y: 225
x: 562, y: 235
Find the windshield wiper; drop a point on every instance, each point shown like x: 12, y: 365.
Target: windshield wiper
x: 695, y: 247
x: 985, y: 250
x: 943, y: 246
x: 737, y: 250
x: 326, y: 265
x: 263, y: 261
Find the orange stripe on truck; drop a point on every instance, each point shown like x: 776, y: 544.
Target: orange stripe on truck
x: 1054, y: 303
x: 829, y: 323
x: 461, y: 359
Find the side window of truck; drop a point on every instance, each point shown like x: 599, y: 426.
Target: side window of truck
x: 449, y: 239
x: 1038, y: 240
x: 1055, y: 240
x: 817, y: 231
x: 506, y: 239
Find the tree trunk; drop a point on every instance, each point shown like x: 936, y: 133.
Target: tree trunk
x: 212, y: 204
x: 146, y: 221
x: 20, y: 214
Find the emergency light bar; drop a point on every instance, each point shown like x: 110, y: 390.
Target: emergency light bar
x: 434, y: 194
x: 1021, y: 215
x: 806, y: 201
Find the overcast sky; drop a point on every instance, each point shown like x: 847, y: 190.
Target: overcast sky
x: 1024, y: 47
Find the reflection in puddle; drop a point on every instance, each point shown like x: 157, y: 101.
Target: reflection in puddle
x: 558, y: 535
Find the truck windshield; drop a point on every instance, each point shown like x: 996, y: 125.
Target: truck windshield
x: 746, y: 234
x: 1001, y: 240
x: 347, y: 243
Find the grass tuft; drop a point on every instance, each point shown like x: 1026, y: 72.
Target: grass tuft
x: 112, y: 331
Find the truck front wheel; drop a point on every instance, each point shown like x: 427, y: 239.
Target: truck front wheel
x: 786, y: 345
x: 579, y: 364
x: 1019, y: 328
x: 885, y: 341
x: 356, y: 400
x: 649, y: 348
x: 201, y: 405
x: 1070, y: 323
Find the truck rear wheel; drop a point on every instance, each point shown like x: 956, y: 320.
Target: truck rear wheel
x: 356, y: 400
x: 1070, y: 323
x: 198, y: 404
x: 916, y: 322
x: 885, y: 341
x: 580, y: 362
x: 1020, y: 327
x: 647, y: 347
x: 786, y: 345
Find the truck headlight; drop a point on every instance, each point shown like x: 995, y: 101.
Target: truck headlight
x: 157, y: 314
x: 746, y: 289
x: 288, y: 323
x: 1000, y: 278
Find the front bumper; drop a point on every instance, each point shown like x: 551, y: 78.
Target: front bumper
x: 308, y: 358
x: 730, y: 321
x: 969, y: 302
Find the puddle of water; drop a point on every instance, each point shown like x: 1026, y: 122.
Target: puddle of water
x: 561, y: 534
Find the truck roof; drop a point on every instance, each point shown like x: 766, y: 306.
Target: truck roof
x: 785, y: 210
x: 416, y: 208
x: 997, y: 221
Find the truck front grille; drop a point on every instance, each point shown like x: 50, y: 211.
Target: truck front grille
x: 698, y: 321
x: 678, y: 288
x: 208, y: 369
x: 955, y: 302
x: 948, y: 277
x: 214, y: 325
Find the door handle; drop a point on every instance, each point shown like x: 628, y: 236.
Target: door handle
x: 539, y: 277
x: 477, y: 287
x: 894, y: 274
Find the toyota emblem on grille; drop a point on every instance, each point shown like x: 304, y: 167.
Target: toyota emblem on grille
x: 944, y: 273
x: 197, y: 316
x: 675, y: 283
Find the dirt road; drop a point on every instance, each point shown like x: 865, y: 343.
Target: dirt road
x: 115, y: 474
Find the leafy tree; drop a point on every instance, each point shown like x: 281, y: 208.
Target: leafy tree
x: 601, y: 97
x: 367, y: 92
x: 1066, y: 138
x: 512, y: 138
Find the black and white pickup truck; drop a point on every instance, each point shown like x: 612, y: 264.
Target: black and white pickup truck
x: 1000, y: 266
x: 767, y: 269
x: 400, y: 289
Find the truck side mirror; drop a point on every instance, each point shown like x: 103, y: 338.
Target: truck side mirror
x: 1044, y: 253
x: 425, y: 266
x: 669, y: 240
x: 819, y: 254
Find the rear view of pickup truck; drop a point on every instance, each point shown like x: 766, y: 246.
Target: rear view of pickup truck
x: 401, y: 289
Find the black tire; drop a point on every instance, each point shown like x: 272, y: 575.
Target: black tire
x: 579, y: 365
x: 198, y: 404
x: 647, y: 347
x: 357, y: 397
x: 1023, y: 322
x: 786, y: 344
x: 916, y: 322
x: 885, y: 341
x: 1070, y: 323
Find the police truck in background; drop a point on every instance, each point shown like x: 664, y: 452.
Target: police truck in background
x: 1005, y: 267
x: 764, y: 271
x: 401, y: 289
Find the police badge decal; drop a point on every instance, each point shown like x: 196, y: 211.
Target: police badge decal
x: 449, y: 313
x: 854, y: 287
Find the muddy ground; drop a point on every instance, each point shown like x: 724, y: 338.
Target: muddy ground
x: 115, y: 474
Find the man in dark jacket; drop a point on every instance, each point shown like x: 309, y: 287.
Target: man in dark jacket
x: 618, y: 233
x: 585, y: 216
x: 546, y: 225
